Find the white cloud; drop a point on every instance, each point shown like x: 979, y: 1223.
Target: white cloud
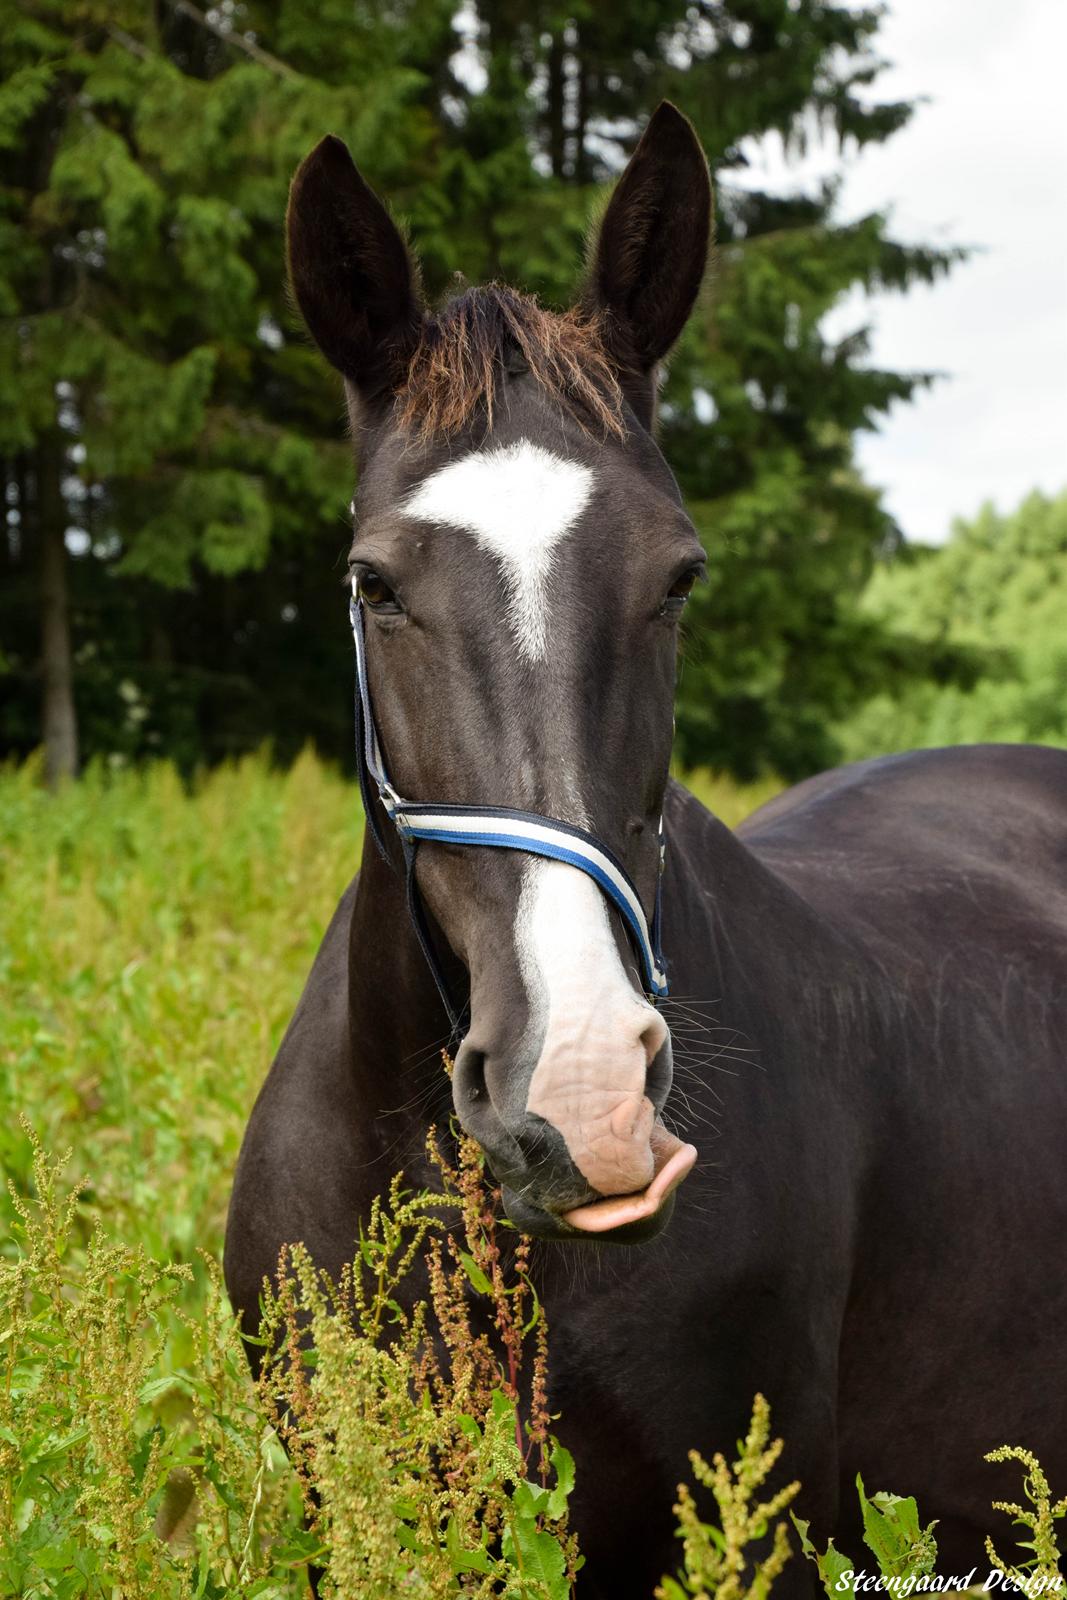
x: 984, y: 163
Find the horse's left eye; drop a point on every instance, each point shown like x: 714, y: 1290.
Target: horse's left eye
x: 680, y: 590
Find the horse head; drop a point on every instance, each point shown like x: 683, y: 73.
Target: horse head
x: 522, y: 559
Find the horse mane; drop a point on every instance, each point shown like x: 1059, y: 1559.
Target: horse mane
x: 470, y: 344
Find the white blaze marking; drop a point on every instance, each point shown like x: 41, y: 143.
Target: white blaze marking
x: 563, y: 937
x: 518, y: 501
x: 594, y: 1030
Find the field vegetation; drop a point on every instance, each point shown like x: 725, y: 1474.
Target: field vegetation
x: 156, y: 939
x: 996, y: 588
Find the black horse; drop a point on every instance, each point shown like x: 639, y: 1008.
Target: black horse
x: 875, y: 1235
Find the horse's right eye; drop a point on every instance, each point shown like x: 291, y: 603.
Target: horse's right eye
x: 375, y: 592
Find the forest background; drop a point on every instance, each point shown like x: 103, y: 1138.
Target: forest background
x: 175, y: 473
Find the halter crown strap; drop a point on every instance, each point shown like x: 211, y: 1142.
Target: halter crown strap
x: 498, y: 828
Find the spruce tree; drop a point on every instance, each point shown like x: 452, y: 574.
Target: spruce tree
x: 759, y: 407
x: 163, y: 403
x: 158, y: 398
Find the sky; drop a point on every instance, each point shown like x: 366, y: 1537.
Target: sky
x: 982, y: 163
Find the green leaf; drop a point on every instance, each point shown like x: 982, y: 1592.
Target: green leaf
x: 461, y: 1559
x: 537, y: 1555
x: 529, y: 1499
x: 475, y: 1274
x: 562, y: 1464
x: 672, y: 1590
x: 832, y: 1565
x: 892, y: 1533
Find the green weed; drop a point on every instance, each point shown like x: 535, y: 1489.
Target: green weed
x: 719, y: 1560
x: 156, y: 939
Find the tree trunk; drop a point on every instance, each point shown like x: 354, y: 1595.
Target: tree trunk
x: 585, y: 69
x: 58, y: 722
x: 557, y: 147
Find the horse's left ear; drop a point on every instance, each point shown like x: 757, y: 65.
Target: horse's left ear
x: 651, y: 252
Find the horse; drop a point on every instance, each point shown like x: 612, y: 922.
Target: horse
x: 867, y: 976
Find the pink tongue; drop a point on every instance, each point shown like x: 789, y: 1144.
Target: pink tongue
x: 673, y: 1161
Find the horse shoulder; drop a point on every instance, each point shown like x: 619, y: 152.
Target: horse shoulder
x: 293, y: 1179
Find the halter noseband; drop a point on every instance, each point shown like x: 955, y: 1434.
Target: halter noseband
x: 498, y: 828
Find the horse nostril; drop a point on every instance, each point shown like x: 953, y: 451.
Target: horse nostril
x: 653, y: 1037
x: 472, y: 1099
x: 472, y: 1084
x: 480, y: 1117
x: 658, y: 1063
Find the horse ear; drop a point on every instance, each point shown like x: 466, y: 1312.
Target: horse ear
x: 353, y: 277
x: 651, y: 252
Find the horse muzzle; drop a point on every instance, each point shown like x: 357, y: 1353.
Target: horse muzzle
x: 598, y: 1163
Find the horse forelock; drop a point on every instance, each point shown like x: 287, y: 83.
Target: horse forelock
x: 470, y: 345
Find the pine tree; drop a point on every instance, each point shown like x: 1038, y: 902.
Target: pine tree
x: 159, y: 399
x: 163, y: 403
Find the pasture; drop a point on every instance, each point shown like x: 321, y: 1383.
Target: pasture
x: 156, y: 938
x: 156, y: 942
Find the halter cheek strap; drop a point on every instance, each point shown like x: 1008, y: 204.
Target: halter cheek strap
x: 495, y: 827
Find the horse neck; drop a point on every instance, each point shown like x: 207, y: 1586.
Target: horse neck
x: 767, y: 960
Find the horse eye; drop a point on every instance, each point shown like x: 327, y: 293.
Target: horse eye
x: 375, y: 592
x: 680, y: 590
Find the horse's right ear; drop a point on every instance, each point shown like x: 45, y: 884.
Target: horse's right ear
x: 351, y: 272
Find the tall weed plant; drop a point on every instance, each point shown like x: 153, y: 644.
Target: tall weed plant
x: 156, y: 938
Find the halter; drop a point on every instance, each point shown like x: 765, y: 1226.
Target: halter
x: 498, y: 828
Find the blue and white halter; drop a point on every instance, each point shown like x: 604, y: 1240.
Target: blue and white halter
x: 496, y: 827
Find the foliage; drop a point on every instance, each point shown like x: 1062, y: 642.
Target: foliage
x: 155, y: 943
x: 729, y: 1559
x: 119, y: 1476
x: 426, y: 1466
x: 146, y: 346
x: 729, y: 800
x: 999, y: 587
x: 415, y: 1470
x: 156, y: 939
x: 719, y: 1563
x: 418, y: 1462
x: 905, y: 1552
x: 1043, y: 1571
x: 162, y: 404
x: 891, y: 1530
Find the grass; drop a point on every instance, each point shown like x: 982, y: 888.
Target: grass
x: 155, y: 943
x: 731, y: 802
x: 156, y: 939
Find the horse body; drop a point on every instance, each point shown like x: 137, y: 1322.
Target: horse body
x: 945, y: 872
x: 868, y: 1240
x: 867, y: 979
